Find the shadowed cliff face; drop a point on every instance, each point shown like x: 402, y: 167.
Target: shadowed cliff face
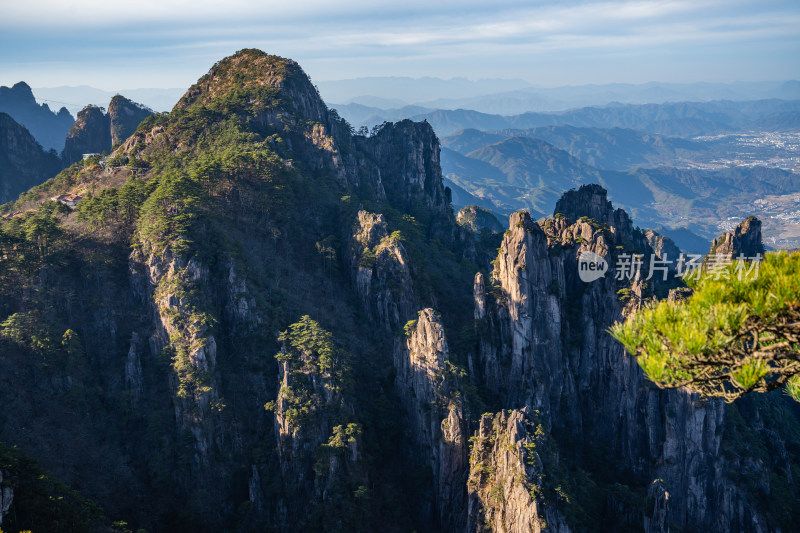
x: 545, y: 346
x: 281, y: 326
x: 96, y: 131
x: 23, y: 163
x: 91, y: 133
x: 125, y: 116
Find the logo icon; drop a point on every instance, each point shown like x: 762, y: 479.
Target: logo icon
x: 591, y: 267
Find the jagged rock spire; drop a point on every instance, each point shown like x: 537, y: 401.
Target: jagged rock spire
x: 745, y: 240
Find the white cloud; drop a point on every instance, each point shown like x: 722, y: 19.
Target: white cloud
x: 363, y: 37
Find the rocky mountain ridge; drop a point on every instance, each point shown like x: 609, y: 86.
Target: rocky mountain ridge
x: 95, y: 131
x: 277, y: 323
x: 23, y: 162
x: 48, y: 127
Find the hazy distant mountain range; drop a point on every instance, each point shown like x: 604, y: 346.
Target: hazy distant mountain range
x: 510, y: 97
x: 76, y: 98
x: 497, y: 156
x: 48, y: 127
x: 505, y: 171
x: 495, y: 96
x: 678, y: 119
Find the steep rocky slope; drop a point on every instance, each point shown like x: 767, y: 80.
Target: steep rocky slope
x: 95, y: 131
x: 48, y: 127
x: 476, y: 218
x: 23, y: 163
x: 259, y: 320
x: 209, y: 231
x: 91, y: 133
x: 545, y: 346
x: 125, y: 115
x: 744, y: 240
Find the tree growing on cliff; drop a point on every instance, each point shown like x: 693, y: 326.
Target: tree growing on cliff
x: 739, y: 332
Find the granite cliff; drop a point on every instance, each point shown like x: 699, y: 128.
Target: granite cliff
x: 545, y: 347
x: 96, y: 131
x: 261, y: 320
x: 23, y: 162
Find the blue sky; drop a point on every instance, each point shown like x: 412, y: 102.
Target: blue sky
x: 162, y: 43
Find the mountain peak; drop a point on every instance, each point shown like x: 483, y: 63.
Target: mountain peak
x: 125, y: 116
x: 745, y: 239
x: 589, y: 200
x: 23, y: 89
x: 254, y: 81
x: 19, y: 94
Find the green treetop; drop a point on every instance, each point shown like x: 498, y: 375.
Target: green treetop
x: 738, y: 332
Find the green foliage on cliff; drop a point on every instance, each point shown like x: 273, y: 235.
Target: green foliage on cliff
x: 737, y: 333
x: 224, y: 182
x: 169, y: 212
x: 41, y: 502
x: 30, y: 331
x: 342, y: 437
x: 309, y: 347
x: 312, y: 363
x: 113, y: 204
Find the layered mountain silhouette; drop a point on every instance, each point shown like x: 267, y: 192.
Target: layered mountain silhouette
x: 49, y: 128
x: 96, y: 131
x: 23, y: 162
x: 507, y: 170
x: 674, y: 119
x: 257, y: 319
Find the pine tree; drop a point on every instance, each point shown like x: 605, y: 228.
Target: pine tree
x: 738, y: 332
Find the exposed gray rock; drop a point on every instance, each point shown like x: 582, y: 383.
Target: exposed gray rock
x: 6, y: 497
x: 664, y: 247
x: 477, y: 218
x: 124, y: 117
x: 133, y: 367
x: 408, y: 156
x: 744, y: 240
x: 505, y: 482
x: 425, y: 381
x: 656, y: 519
x: 91, y: 133
x: 547, y: 348
x: 381, y: 273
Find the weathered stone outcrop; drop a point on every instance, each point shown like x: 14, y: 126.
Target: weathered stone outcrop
x: 664, y: 247
x: 175, y: 288
x: 505, y: 481
x: 656, y: 514
x: 407, y: 155
x: 744, y: 240
x: 381, y: 273
x: 97, y: 131
x: 6, y: 497
x: 124, y: 117
x: 477, y: 218
x: 316, y: 457
x: 545, y: 346
x: 426, y: 382
x: 91, y: 133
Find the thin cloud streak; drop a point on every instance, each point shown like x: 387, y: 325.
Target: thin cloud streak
x: 357, y: 38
